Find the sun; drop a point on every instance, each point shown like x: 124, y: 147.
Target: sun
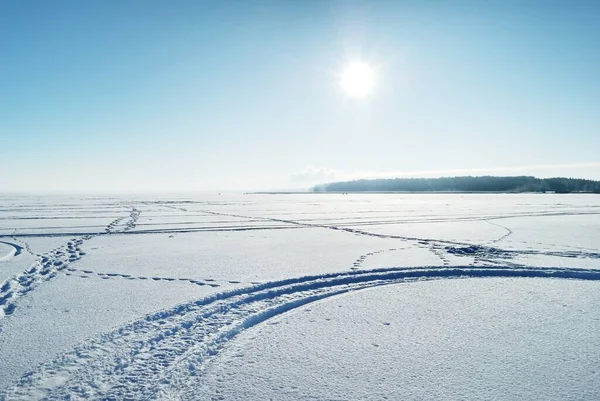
x: 358, y: 79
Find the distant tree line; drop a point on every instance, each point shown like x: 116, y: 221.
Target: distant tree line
x: 464, y: 184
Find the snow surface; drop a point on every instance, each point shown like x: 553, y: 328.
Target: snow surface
x: 157, y: 297
x: 512, y: 339
x: 7, y: 251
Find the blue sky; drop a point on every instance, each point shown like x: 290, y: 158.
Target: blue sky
x: 208, y: 95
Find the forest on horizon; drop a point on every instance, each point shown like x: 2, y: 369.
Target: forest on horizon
x: 464, y: 184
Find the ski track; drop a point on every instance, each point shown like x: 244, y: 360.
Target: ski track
x: 435, y: 245
x: 509, y: 232
x: 53, y: 262
x: 167, y: 205
x: 165, y: 350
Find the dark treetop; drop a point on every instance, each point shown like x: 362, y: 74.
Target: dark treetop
x: 464, y: 184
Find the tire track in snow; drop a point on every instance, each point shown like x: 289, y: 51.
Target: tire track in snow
x: 16, y: 251
x: 147, y: 358
x: 51, y: 263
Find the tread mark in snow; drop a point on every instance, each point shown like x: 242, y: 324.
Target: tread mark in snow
x: 16, y: 251
x: 166, y: 349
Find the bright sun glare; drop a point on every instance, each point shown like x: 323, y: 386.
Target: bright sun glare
x: 358, y: 79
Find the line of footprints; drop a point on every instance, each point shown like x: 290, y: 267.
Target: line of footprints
x: 106, y: 276
x: 361, y: 259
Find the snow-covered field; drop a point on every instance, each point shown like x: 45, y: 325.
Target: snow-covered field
x: 306, y: 296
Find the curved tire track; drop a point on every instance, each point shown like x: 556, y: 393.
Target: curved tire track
x: 16, y: 251
x: 142, y: 359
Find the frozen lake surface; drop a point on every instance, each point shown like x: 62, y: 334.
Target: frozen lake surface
x: 304, y: 296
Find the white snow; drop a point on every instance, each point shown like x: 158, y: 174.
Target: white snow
x: 7, y: 251
x: 163, y: 297
x: 510, y: 339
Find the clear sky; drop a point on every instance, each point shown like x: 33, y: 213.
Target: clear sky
x: 207, y: 95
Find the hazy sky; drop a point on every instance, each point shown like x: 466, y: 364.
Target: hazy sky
x: 204, y: 95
